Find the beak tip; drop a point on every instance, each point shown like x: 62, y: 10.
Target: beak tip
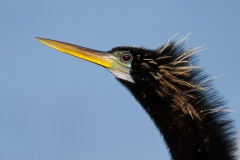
x: 39, y: 39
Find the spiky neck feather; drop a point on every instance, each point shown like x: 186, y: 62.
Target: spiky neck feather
x: 181, y: 102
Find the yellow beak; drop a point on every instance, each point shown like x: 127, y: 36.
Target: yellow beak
x: 101, y: 58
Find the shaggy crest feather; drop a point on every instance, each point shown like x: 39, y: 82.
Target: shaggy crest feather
x: 171, y: 68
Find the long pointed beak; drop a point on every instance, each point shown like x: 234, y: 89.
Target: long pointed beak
x: 101, y: 58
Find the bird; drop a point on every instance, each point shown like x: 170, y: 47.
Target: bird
x: 174, y: 91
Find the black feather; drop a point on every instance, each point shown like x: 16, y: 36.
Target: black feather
x: 181, y: 101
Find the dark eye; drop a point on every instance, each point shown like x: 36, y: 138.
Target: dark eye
x: 126, y: 57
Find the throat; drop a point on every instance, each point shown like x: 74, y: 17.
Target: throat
x: 186, y: 137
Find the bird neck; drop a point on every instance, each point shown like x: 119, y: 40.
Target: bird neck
x: 187, y: 138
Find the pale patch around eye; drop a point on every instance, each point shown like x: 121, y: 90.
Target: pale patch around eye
x: 122, y: 75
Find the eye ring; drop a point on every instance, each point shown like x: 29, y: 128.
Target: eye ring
x: 126, y: 57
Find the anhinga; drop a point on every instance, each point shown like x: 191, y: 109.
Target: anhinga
x: 173, y: 91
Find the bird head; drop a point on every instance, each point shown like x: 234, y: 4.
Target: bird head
x: 163, y: 68
x: 136, y: 65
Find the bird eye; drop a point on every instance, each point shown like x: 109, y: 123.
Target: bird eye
x: 126, y: 57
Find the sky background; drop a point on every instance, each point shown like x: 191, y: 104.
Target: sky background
x: 57, y: 107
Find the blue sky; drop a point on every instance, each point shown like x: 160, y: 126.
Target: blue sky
x: 57, y: 107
